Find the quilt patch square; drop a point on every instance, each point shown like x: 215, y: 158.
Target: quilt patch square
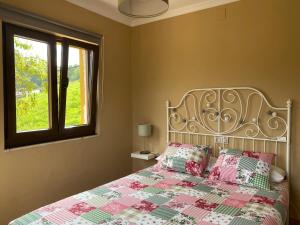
x: 98, y: 201
x: 261, y: 181
x: 148, y: 181
x: 194, y: 179
x: 269, y: 194
x: 201, y: 187
x: 128, y: 201
x: 145, y: 173
x: 180, y: 219
x: 234, y: 203
x: 157, y: 199
x: 113, y: 208
x: 206, y: 205
x: 217, y: 218
x: 141, y: 195
x: 228, y: 210
x: 195, y: 212
x: 27, y: 219
x: 60, y: 217
x: 213, y: 198
x: 183, y: 198
x: 77, y: 221
x: 145, y: 206
x: 242, y: 221
x: 130, y: 214
x: 247, y: 163
x: 125, y: 190
x: 147, y: 219
x: 243, y: 197
x: 229, y: 174
x: 81, y: 208
x: 153, y: 190
x: 96, y: 216
x: 164, y: 213
x: 100, y: 190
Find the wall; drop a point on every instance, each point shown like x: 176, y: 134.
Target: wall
x: 247, y: 43
x: 31, y: 178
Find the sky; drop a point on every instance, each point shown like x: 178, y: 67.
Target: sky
x: 41, y: 49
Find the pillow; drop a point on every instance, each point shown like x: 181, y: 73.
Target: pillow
x: 185, y: 158
x: 277, y: 174
x: 243, y: 167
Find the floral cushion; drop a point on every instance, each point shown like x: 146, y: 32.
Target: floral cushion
x: 243, y: 167
x: 185, y: 158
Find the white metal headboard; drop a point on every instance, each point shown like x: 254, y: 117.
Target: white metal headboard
x: 239, y: 117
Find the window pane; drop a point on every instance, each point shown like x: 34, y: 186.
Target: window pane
x: 77, y: 97
x: 31, y: 75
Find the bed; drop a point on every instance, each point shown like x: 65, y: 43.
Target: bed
x: 220, y: 118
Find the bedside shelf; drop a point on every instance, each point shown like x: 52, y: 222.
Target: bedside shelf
x: 138, y: 155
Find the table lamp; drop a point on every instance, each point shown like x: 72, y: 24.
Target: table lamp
x: 144, y: 130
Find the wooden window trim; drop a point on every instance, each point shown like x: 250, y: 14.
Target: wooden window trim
x: 57, y: 104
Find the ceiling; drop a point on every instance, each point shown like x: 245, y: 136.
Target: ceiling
x: 109, y: 8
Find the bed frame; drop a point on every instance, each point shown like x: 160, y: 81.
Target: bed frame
x: 239, y: 117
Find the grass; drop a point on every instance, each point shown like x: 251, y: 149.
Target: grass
x: 36, y: 117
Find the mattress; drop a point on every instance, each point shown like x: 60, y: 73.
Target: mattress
x: 161, y: 197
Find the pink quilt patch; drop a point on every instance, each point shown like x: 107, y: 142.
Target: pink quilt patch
x: 182, y: 198
x: 129, y: 201
x: 145, y: 206
x: 262, y: 200
x: 203, y: 204
x: 234, y: 203
x: 125, y: 190
x: 239, y: 196
x: 137, y: 185
x: 228, y: 174
x: 185, y: 183
x: 229, y: 187
x: 60, y: 217
x: 114, y: 208
x: 81, y: 208
x: 195, y: 212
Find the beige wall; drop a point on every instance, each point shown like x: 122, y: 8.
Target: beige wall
x: 34, y: 177
x: 256, y: 44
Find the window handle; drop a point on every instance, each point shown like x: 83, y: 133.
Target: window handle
x: 65, y: 83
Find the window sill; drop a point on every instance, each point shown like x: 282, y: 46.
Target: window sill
x: 50, y: 143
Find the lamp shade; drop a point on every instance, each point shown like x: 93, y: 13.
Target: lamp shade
x: 144, y: 130
x: 143, y: 8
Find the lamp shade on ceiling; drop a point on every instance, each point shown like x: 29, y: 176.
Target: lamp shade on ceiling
x: 143, y: 8
x: 144, y: 130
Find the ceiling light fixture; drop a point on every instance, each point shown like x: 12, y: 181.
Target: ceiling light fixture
x: 143, y: 8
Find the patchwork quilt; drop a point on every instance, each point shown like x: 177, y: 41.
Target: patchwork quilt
x: 160, y: 197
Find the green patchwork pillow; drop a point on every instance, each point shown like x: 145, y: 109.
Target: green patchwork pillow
x: 186, y: 158
x: 243, y: 167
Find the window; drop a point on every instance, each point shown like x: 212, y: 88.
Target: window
x: 50, y: 86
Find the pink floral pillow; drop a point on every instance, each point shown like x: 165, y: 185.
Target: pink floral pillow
x: 243, y: 167
x: 185, y: 158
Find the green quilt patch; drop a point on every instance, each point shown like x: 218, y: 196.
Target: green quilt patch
x: 27, y: 219
x: 247, y: 163
x: 261, y: 181
x: 164, y: 213
x: 96, y: 216
x: 228, y: 210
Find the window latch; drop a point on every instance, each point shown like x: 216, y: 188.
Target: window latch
x: 65, y: 82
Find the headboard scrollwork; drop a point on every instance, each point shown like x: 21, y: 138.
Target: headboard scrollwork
x: 226, y: 116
